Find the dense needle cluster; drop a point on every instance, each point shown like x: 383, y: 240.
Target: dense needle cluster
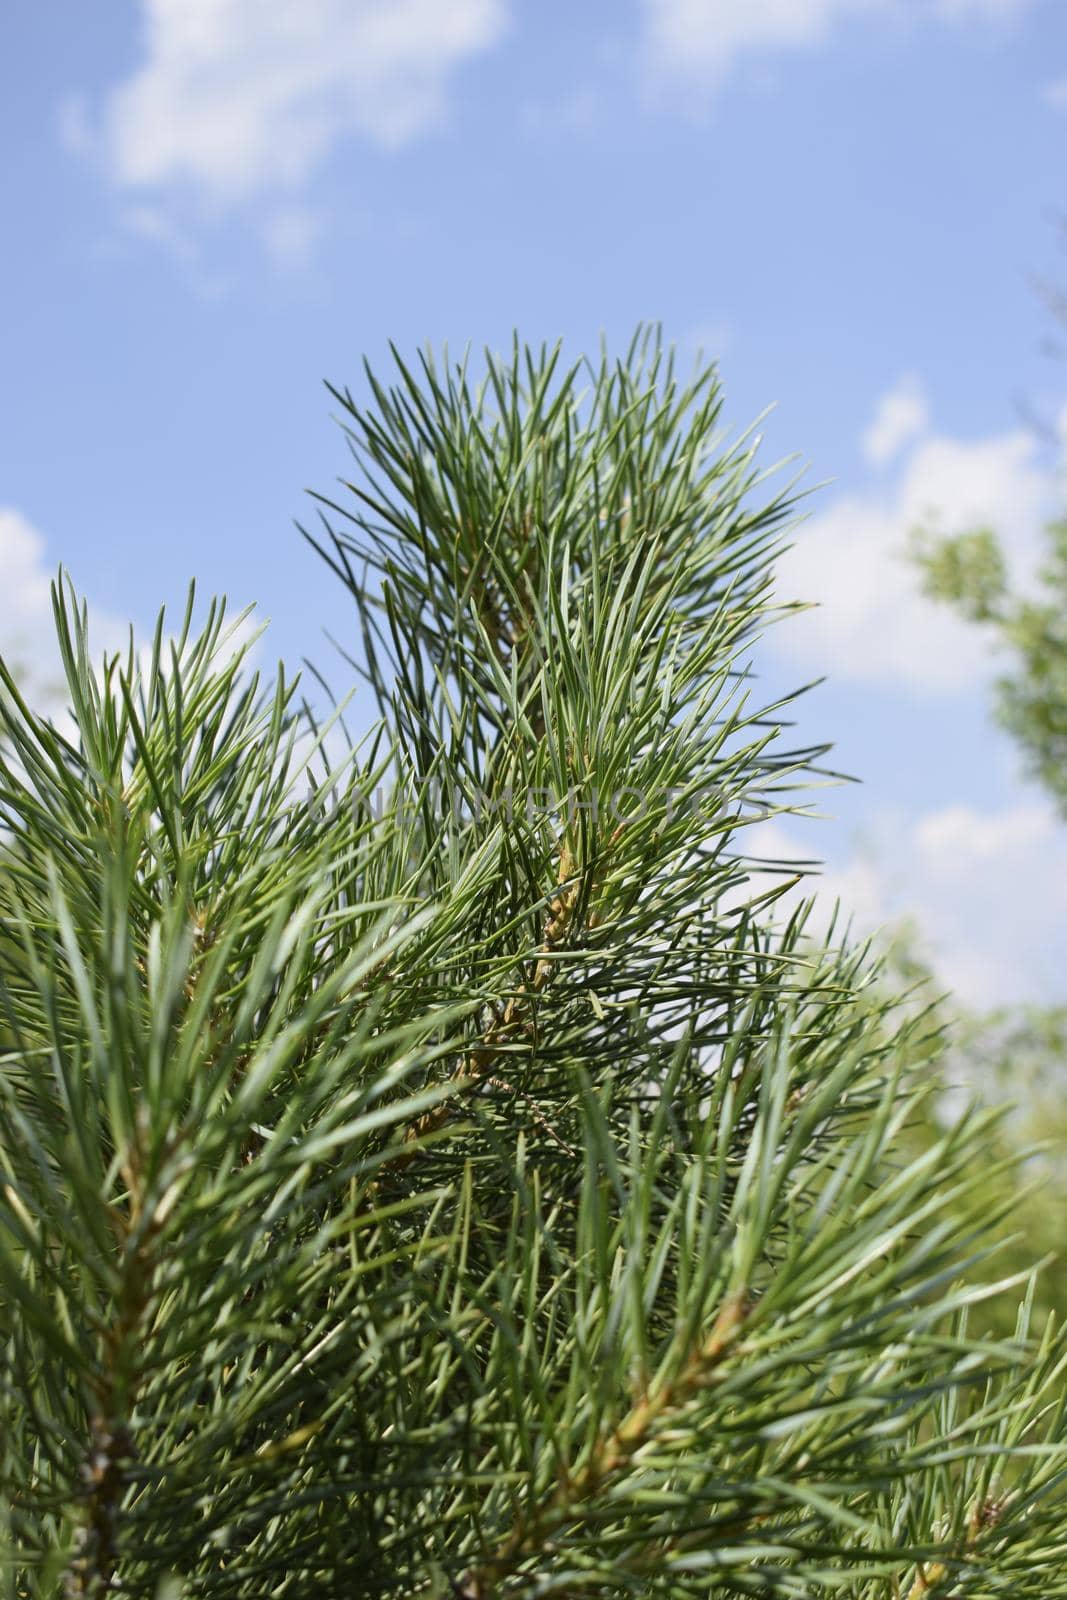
x: 457, y: 1196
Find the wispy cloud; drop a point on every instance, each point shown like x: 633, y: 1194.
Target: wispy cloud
x: 27, y: 625
x: 291, y: 234
x: 982, y: 891
x: 699, y: 42
x: 237, y: 102
x: 873, y: 624
x: 27, y: 631
x: 901, y: 416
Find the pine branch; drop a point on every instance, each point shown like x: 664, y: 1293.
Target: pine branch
x: 405, y: 1190
x: 534, y: 1531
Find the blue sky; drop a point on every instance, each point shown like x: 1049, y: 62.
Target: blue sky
x: 212, y: 205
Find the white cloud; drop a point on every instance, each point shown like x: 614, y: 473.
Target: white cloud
x: 24, y: 594
x: 27, y: 628
x: 985, y: 892
x: 991, y: 893
x: 705, y: 37
x: 902, y: 414
x: 858, y: 884
x: 27, y: 625
x: 701, y: 40
x: 291, y: 234
x: 1056, y: 94
x: 959, y: 837
x: 237, y: 98
x: 153, y: 222
x: 873, y: 623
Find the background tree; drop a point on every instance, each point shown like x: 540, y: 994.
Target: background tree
x: 1012, y: 1058
x: 1028, y: 628
x: 1018, y: 1054
x: 412, y: 1190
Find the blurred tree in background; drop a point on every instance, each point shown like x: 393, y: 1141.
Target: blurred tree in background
x: 1027, y: 629
x: 1018, y: 1054
x: 1013, y: 1058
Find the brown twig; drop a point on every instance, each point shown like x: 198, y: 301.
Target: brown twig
x: 535, y: 1528
x: 986, y: 1515
x: 111, y: 1445
x: 512, y: 1019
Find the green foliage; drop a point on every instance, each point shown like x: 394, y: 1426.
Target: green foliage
x: 1018, y: 1056
x: 969, y: 572
x: 1014, y: 1058
x: 408, y: 1190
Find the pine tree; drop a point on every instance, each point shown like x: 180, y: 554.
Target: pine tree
x: 442, y: 1169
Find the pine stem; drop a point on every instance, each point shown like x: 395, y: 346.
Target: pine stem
x: 611, y: 1456
x: 92, y: 1568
